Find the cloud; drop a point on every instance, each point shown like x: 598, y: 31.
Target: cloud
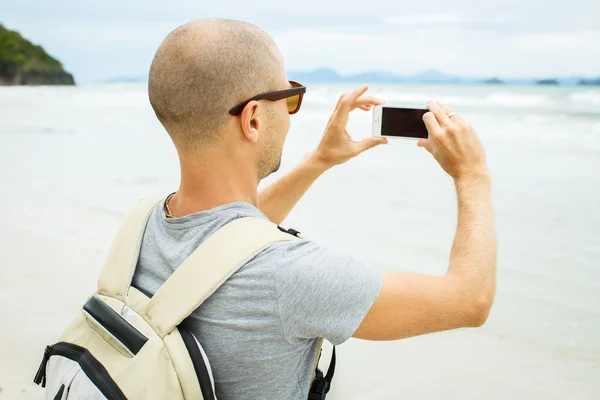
x: 100, y: 39
x: 568, y: 42
x: 573, y: 52
x: 423, y: 19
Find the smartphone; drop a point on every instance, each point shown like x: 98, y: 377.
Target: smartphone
x: 401, y: 123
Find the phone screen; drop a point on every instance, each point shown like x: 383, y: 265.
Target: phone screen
x: 403, y: 122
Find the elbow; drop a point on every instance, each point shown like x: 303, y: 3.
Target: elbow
x: 480, y: 310
x: 474, y: 302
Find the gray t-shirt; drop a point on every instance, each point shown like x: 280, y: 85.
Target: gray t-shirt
x: 261, y: 327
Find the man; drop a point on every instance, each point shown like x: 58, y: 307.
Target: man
x: 260, y: 328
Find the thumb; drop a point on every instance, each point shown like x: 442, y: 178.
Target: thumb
x: 426, y: 143
x: 369, y: 143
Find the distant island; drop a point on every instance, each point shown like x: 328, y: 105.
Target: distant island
x: 23, y: 63
x: 327, y: 75
x: 548, y: 82
x: 589, y: 82
x: 493, y: 81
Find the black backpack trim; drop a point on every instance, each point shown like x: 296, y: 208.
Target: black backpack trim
x: 321, y: 385
x: 60, y: 392
x: 115, y: 324
x: 199, y: 366
x: 291, y: 231
x: 89, y: 365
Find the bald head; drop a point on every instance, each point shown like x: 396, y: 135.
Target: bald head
x: 204, y: 68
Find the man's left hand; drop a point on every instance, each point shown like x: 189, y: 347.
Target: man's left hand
x: 337, y: 146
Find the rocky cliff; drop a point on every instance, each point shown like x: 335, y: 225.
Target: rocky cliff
x: 23, y: 63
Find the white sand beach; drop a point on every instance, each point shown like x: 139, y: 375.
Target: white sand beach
x: 74, y: 161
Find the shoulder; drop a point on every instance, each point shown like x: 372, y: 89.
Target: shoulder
x: 302, y: 260
x: 321, y: 291
x: 305, y: 251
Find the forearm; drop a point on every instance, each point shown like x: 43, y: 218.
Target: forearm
x: 277, y: 200
x: 473, y: 255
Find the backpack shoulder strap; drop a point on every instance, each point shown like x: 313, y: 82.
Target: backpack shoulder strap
x: 120, y: 264
x: 207, y: 268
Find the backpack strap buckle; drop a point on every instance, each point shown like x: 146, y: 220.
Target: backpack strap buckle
x: 319, y: 387
x: 321, y: 384
x: 291, y: 231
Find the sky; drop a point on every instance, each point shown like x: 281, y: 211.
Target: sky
x: 98, y: 40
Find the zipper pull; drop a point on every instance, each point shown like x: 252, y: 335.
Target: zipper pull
x: 40, y: 376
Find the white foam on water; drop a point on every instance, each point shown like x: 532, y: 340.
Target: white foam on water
x: 590, y: 97
x: 514, y: 99
x: 450, y: 95
x: 104, y: 97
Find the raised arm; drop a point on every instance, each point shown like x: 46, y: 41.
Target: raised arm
x: 411, y: 304
x: 336, y: 147
x: 277, y: 200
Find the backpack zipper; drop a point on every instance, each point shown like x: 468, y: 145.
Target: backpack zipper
x: 90, y: 366
x: 40, y: 376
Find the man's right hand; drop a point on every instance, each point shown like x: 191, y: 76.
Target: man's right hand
x: 453, y: 142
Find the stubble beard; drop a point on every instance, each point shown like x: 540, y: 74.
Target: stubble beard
x: 271, y: 167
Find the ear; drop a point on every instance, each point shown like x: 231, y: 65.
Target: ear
x: 250, y: 121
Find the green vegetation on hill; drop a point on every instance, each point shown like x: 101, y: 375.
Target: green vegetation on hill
x: 22, y: 62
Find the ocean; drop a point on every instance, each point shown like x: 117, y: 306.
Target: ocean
x: 75, y: 160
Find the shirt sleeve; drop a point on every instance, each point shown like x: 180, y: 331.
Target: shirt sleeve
x: 322, y: 292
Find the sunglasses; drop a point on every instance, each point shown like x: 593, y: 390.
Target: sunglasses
x: 293, y: 98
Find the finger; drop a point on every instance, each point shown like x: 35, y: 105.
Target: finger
x: 439, y: 113
x: 427, y: 144
x: 446, y: 108
x: 357, y: 93
x: 456, y: 118
x: 431, y: 123
x: 337, y: 105
x: 344, y: 105
x: 369, y: 143
x: 348, y: 100
x: 366, y: 102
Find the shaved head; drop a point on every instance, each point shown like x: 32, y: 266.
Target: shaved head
x: 204, y: 68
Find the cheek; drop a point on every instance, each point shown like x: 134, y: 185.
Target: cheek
x: 281, y: 121
x: 287, y: 123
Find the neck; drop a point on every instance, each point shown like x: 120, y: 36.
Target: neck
x: 210, y: 182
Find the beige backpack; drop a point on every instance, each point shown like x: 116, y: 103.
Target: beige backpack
x: 124, y: 345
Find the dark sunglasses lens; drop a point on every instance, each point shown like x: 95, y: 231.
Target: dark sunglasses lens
x: 292, y: 103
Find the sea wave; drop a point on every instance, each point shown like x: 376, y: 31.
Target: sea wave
x: 326, y: 96
x: 590, y: 97
x: 518, y: 99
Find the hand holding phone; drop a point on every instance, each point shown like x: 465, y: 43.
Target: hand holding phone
x: 453, y: 142
x: 337, y: 145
